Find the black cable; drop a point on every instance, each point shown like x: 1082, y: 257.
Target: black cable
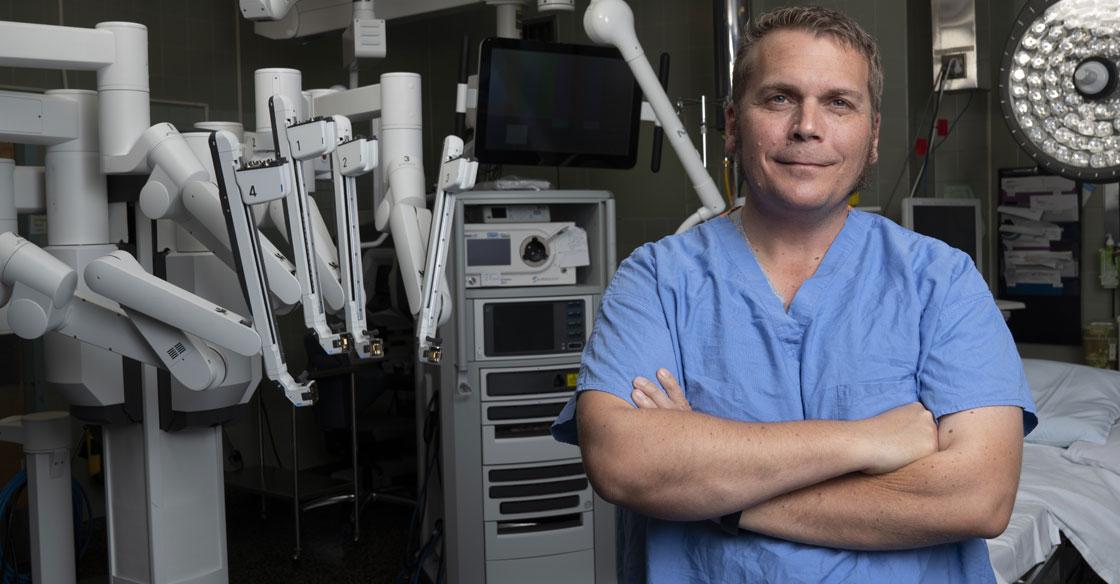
x: 442, y: 568
x: 11, y: 541
x: 271, y: 438
x: 953, y: 124
x: 430, y: 432
x: 234, y: 457
x: 9, y: 544
x: 906, y: 162
x: 932, y: 128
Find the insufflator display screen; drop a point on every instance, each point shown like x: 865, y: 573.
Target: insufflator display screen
x: 523, y: 327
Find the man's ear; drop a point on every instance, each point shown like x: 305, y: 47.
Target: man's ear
x: 873, y: 155
x: 731, y: 129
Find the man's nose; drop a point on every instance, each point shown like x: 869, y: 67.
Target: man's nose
x: 806, y: 123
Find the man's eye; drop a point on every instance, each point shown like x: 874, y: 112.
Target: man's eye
x: 841, y: 103
x: 779, y: 99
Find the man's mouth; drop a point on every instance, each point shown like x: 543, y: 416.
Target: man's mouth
x: 803, y: 162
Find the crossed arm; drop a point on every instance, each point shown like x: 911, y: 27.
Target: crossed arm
x: 890, y: 482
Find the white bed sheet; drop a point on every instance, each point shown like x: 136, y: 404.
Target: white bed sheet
x: 1084, y: 501
x: 1030, y: 537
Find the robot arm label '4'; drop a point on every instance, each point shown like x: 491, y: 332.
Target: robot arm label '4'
x: 245, y: 241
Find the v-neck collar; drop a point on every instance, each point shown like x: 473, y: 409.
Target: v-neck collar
x: 813, y: 290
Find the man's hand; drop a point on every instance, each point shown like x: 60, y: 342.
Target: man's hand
x: 646, y: 394
x: 899, y: 437
x: 892, y: 439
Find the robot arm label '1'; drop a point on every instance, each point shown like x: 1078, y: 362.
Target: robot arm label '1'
x: 297, y: 142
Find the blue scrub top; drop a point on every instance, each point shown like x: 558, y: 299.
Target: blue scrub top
x: 889, y: 318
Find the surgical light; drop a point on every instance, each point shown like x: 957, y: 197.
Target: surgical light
x: 1058, y: 86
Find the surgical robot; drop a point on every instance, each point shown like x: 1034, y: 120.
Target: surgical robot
x: 162, y: 441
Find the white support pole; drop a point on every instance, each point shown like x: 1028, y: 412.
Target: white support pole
x: 46, y: 443
x: 122, y: 88
x: 270, y: 82
x: 404, y: 206
x: 7, y: 195
x: 509, y: 13
x: 77, y: 194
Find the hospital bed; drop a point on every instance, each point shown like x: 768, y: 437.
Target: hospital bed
x: 1069, y: 491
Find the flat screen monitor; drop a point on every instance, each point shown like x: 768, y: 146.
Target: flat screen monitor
x: 955, y: 221
x: 554, y: 104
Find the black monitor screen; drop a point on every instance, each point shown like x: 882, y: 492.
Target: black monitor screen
x: 955, y: 225
x: 523, y: 327
x: 553, y: 104
x: 488, y: 252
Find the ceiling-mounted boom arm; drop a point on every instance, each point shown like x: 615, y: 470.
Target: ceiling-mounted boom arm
x: 611, y: 22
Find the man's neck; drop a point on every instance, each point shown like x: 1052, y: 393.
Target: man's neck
x: 790, y: 250
x: 779, y: 239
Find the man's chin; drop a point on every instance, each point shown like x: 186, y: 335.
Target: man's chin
x: 810, y: 201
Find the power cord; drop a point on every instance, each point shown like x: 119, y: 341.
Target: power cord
x: 932, y: 124
x: 271, y: 437
x: 906, y: 162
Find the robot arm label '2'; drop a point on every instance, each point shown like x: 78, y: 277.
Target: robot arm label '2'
x: 353, y: 157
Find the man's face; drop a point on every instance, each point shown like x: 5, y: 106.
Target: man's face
x: 803, y: 130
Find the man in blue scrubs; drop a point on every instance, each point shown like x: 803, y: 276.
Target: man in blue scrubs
x: 838, y: 399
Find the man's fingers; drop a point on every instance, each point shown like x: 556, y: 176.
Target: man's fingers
x: 673, y: 389
x: 641, y: 400
x: 650, y: 390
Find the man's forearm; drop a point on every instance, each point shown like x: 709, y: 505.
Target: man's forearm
x: 686, y: 466
x: 935, y: 500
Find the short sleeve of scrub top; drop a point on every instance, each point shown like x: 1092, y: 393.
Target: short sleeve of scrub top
x: 630, y: 335
x: 972, y: 361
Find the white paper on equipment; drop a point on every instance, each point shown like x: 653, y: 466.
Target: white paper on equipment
x: 1037, y: 184
x: 1056, y: 207
x: 1024, y: 212
x: 1045, y: 276
x: 1033, y: 229
x: 570, y: 247
x: 1019, y: 241
x: 1055, y: 260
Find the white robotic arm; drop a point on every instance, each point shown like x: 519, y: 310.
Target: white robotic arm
x: 257, y: 184
x: 456, y: 174
x: 611, y: 22
x: 352, y: 158
x: 152, y: 325
x: 418, y: 238
x: 265, y: 9
x: 326, y: 255
x: 296, y: 142
x: 179, y: 189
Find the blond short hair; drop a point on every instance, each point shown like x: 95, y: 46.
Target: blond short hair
x: 816, y: 20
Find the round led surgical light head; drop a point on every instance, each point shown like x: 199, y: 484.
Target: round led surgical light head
x: 1058, y: 86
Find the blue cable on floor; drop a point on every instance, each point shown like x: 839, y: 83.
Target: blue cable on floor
x: 83, y: 516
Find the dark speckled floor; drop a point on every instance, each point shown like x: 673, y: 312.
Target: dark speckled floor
x: 260, y: 550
